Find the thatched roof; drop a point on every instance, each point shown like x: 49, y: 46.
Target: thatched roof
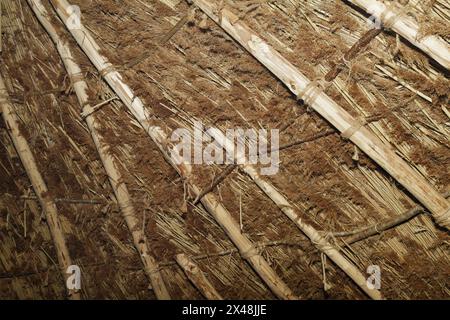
x: 194, y: 70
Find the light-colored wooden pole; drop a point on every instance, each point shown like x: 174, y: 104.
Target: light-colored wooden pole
x: 120, y: 189
x: 135, y: 105
x: 288, y: 209
x: 399, y: 22
x: 197, y: 277
x: 350, y: 127
x: 39, y: 186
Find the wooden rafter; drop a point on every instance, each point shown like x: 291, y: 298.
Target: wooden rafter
x: 246, y: 247
x: 351, y: 128
x: 123, y: 197
x: 396, y: 19
x: 288, y: 209
x: 40, y: 188
x: 197, y: 277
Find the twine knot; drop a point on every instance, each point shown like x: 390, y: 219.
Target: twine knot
x: 443, y: 219
x: 249, y: 252
x: 349, y: 132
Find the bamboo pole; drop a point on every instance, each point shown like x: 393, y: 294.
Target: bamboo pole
x: 39, y: 186
x: 396, y: 20
x: 123, y: 197
x: 247, y: 249
x: 287, y: 208
x: 197, y: 277
x: 350, y: 127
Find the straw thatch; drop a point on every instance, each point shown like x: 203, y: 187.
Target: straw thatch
x: 184, y: 67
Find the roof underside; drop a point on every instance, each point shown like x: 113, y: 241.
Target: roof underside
x: 201, y: 73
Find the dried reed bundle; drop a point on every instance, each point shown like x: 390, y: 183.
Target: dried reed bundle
x: 197, y: 277
x: 351, y: 128
x: 40, y: 188
x: 160, y: 138
x: 396, y: 20
x: 288, y: 209
x: 79, y: 84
